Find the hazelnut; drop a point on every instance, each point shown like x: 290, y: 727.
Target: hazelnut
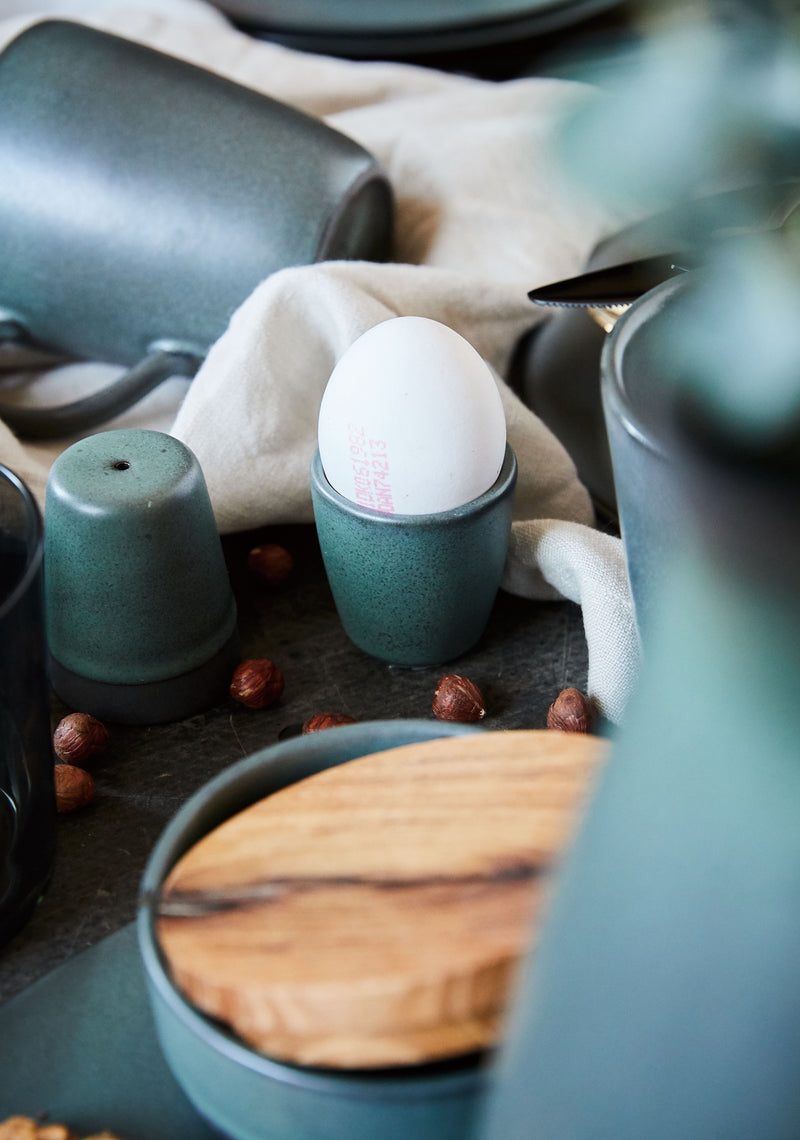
x: 458, y: 698
x: 326, y: 720
x: 257, y: 683
x: 271, y: 562
x: 571, y: 711
x: 74, y: 787
x: 26, y: 1128
x: 18, y: 1128
x: 78, y: 737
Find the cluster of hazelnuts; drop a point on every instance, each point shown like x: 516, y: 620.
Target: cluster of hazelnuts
x: 258, y: 684
x: 78, y: 739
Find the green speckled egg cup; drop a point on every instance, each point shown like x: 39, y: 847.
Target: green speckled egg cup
x: 141, y: 619
x: 414, y: 590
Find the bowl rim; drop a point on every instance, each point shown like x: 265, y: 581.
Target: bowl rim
x: 616, y: 394
x: 311, y: 753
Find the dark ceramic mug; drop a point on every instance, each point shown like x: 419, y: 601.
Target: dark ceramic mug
x: 143, y: 198
x: 27, y: 795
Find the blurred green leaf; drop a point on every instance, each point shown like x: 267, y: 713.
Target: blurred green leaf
x: 705, y: 105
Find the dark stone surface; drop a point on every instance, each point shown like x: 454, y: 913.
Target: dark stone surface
x: 528, y: 653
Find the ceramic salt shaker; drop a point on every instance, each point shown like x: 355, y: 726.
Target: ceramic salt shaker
x: 141, y: 618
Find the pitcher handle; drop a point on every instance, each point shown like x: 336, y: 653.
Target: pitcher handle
x: 158, y: 365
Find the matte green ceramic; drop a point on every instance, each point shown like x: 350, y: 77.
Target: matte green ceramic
x: 247, y: 1095
x: 634, y: 394
x: 414, y: 589
x: 143, y: 199
x: 664, y: 997
x: 97, y: 1001
x: 395, y: 29
x: 141, y: 619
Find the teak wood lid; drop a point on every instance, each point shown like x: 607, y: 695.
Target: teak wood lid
x: 372, y: 914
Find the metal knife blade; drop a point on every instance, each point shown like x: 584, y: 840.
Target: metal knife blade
x: 615, y: 285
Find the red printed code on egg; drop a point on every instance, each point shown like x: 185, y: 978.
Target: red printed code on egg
x: 371, y: 473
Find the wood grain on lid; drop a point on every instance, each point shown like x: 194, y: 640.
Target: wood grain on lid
x: 372, y: 915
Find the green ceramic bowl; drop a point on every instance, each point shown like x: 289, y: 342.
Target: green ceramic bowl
x: 247, y: 1095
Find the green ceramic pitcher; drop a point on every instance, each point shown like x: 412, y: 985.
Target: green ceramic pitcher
x: 664, y: 1000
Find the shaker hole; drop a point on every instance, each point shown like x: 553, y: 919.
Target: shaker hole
x: 121, y: 465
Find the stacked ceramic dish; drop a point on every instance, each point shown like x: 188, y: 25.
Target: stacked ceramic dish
x: 330, y: 926
x: 407, y: 27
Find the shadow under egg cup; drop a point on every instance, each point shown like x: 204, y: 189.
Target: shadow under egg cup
x: 414, y: 590
x: 141, y: 618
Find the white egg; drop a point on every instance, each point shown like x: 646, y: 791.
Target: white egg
x: 411, y: 421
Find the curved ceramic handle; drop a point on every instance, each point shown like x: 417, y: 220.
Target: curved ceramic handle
x: 89, y: 411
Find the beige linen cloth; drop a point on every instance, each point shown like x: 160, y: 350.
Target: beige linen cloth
x: 483, y: 215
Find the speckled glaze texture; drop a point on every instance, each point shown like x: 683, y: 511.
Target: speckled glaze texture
x: 414, y: 589
x: 136, y: 587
